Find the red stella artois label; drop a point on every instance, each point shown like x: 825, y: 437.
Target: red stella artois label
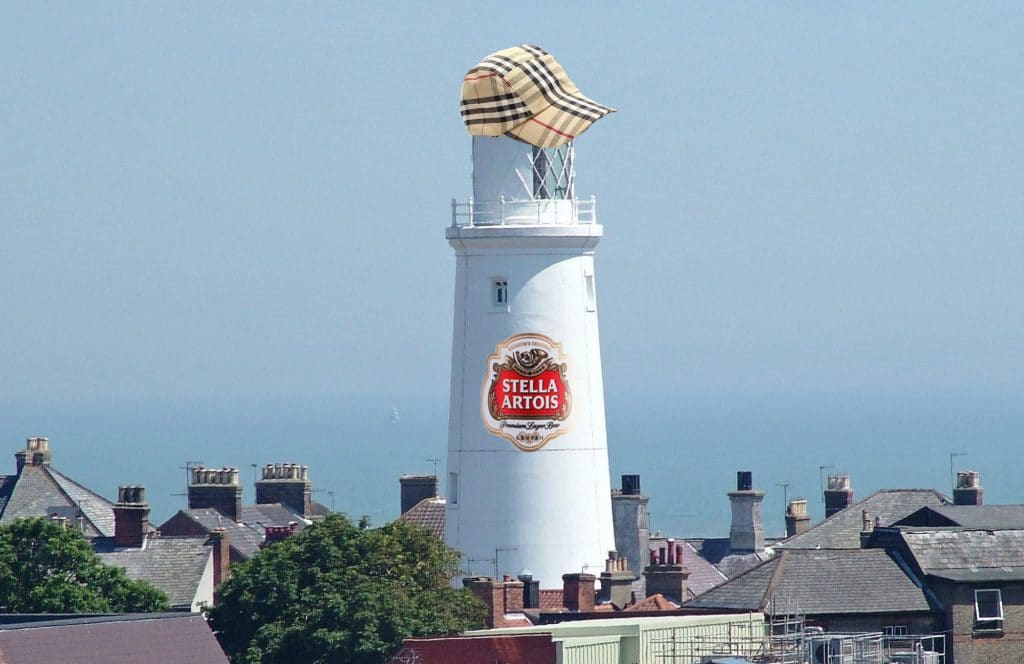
x: 526, y: 397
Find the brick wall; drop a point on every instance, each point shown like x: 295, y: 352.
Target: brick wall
x: 971, y: 646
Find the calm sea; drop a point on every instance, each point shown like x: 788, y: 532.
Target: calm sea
x: 686, y: 447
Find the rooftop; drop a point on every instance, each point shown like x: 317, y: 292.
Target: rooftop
x: 42, y: 490
x: 167, y: 638
x: 175, y: 565
x: 842, y: 529
x: 820, y: 582
x: 429, y: 514
x: 967, y: 554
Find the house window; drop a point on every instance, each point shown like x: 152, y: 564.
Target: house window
x: 895, y: 630
x: 988, y: 609
x: 500, y: 289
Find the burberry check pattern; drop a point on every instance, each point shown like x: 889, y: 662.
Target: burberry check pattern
x: 522, y: 92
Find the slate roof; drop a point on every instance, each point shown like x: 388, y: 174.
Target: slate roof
x: 429, y: 514
x: 990, y: 517
x: 703, y: 575
x: 718, y: 552
x: 175, y: 565
x: 246, y: 536
x: 821, y: 582
x: 41, y: 490
x: 175, y: 638
x: 842, y: 529
x: 965, y: 554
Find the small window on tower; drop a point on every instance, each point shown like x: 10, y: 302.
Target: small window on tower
x: 453, y: 488
x: 591, y: 294
x: 501, y: 293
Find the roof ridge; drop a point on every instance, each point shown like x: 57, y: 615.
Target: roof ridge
x: 80, y: 486
x: 52, y: 471
x: 46, y: 471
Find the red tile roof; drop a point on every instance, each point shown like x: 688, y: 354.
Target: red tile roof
x: 429, y: 514
x: 653, y: 603
x: 551, y: 599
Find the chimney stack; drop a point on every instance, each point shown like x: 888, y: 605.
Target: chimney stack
x: 221, y: 558
x: 666, y: 574
x: 415, y: 488
x: 131, y: 516
x: 36, y: 453
x: 968, y: 489
x: 217, y: 489
x: 838, y: 495
x: 630, y: 523
x: 578, y: 592
x: 616, y: 581
x: 798, y: 521
x: 531, y: 591
x: 867, y: 527
x: 287, y: 484
x: 746, y: 532
x: 492, y: 593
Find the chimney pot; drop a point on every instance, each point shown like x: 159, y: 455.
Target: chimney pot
x: 968, y: 489
x: 131, y: 516
x: 838, y: 495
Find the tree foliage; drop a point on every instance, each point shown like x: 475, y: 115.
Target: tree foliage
x: 341, y: 592
x: 47, y: 568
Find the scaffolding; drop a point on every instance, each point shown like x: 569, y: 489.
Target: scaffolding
x: 786, y: 639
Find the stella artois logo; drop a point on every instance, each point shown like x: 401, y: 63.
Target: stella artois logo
x: 526, y: 397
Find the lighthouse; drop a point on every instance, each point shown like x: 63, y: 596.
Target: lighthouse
x: 528, y: 478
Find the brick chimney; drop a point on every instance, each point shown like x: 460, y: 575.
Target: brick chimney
x: 36, y: 453
x: 666, y: 575
x: 798, y: 521
x: 838, y: 495
x: 288, y: 484
x: 630, y: 522
x: 616, y: 581
x: 513, y: 594
x: 746, y: 532
x: 221, y: 558
x: 968, y: 489
x: 578, y: 592
x: 131, y: 516
x: 415, y: 488
x: 492, y: 593
x: 218, y: 489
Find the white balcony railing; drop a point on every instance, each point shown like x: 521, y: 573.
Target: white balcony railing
x: 539, y: 212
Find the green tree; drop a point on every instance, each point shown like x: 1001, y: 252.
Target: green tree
x: 47, y: 568
x: 341, y: 592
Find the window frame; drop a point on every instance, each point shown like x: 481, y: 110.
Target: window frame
x: 988, y: 623
x: 499, y: 293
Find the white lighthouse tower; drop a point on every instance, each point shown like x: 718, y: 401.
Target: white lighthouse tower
x: 528, y: 477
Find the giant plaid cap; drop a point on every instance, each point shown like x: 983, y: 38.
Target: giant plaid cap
x: 522, y: 92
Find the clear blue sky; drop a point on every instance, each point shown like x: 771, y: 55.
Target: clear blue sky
x: 248, y: 200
